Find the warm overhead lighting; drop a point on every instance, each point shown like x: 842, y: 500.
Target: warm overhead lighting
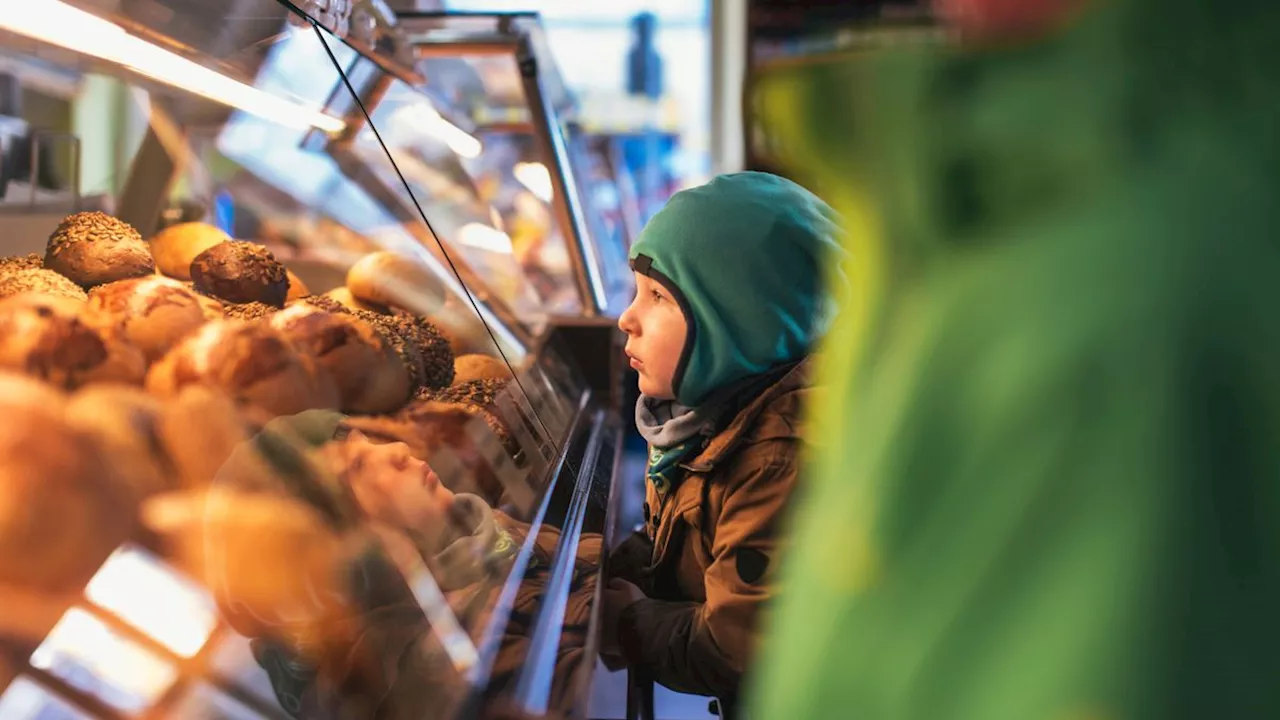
x: 483, y: 237
x: 420, y: 117
x: 58, y: 23
x: 535, y: 177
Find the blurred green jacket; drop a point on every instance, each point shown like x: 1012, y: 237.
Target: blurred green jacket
x: 1046, y: 475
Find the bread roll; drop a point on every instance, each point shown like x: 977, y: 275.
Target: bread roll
x: 46, y: 337
x: 479, y: 367
x: 241, y: 272
x: 152, y: 313
x: 38, y: 280
x: 93, y: 248
x: 370, y: 377
x: 250, y: 362
x: 61, y: 510
x: 390, y: 279
x: 424, y: 351
x: 297, y: 288
x: 125, y: 423
x: 343, y: 295
x: 177, y: 245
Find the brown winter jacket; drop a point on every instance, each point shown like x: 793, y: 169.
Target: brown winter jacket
x: 713, y: 541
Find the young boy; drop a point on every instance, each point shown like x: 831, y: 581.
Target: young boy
x: 729, y: 301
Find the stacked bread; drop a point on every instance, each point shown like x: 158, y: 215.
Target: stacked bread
x: 139, y: 367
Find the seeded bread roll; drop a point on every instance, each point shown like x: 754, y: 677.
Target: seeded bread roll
x: 175, y: 247
x: 424, y: 351
x: 41, y: 281
x: 241, y: 272
x: 62, y: 511
x: 371, y: 378
x: 93, y: 248
x: 393, y: 280
x: 20, y: 262
x: 481, y: 393
x: 152, y: 313
x: 47, y: 337
x: 251, y: 363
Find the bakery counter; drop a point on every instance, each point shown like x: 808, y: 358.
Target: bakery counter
x: 275, y: 449
x: 171, y: 420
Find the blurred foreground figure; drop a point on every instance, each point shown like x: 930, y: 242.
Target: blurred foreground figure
x: 1047, y: 481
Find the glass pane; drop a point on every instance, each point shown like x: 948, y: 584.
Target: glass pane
x: 86, y: 654
x: 149, y: 596
x: 487, y: 196
x: 232, y: 660
x: 229, y: 153
x: 26, y: 699
x: 205, y: 703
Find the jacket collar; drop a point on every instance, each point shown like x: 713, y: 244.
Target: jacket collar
x: 727, y: 440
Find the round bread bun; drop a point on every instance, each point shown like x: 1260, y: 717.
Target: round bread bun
x: 38, y: 280
x: 297, y: 288
x: 370, y: 376
x: 421, y: 347
x: 250, y: 362
x: 241, y: 272
x: 390, y: 279
x: 125, y: 422
x: 343, y: 296
x: 61, y: 511
x: 152, y: 313
x: 93, y: 248
x: 479, y: 367
x: 31, y: 261
x: 47, y: 337
x: 175, y: 247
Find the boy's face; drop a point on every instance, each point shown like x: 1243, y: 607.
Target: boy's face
x: 390, y: 484
x: 656, y: 330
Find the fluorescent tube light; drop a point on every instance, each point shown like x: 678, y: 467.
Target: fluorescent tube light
x: 57, y: 23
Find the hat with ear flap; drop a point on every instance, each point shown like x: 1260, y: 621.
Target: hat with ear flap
x: 746, y: 257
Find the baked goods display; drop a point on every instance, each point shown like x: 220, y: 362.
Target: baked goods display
x: 93, y: 248
x: 152, y: 313
x: 177, y: 245
x: 136, y: 370
x: 241, y: 272
x: 249, y: 361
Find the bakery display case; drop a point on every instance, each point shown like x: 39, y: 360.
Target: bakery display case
x: 307, y: 346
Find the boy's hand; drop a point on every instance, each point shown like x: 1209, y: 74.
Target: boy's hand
x: 617, y: 596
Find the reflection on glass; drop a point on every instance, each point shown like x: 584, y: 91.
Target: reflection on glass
x: 149, y: 597
x: 233, y: 661
x: 86, y: 654
x: 205, y: 703
x: 535, y: 177
x: 27, y: 700
x: 58, y: 23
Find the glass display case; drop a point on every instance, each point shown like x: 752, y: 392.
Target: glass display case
x: 307, y: 345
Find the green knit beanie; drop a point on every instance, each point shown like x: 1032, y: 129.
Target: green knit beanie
x: 745, y: 257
